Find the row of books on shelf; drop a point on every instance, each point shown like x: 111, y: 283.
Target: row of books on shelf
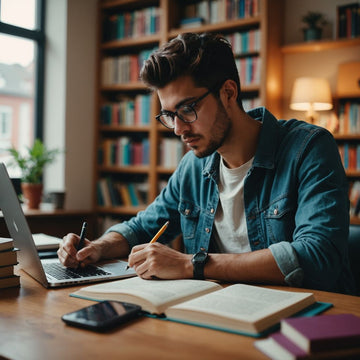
x: 332, y: 336
x: 116, y: 193
x: 350, y: 155
x: 171, y: 152
x: 122, y: 69
x: 131, y: 24
x: 123, y: 151
x: 129, y: 112
x: 245, y: 42
x: 8, y: 259
x: 249, y: 69
x: 214, y: 11
x: 349, y: 117
x: 349, y: 20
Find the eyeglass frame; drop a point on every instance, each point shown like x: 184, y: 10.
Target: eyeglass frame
x: 172, y: 114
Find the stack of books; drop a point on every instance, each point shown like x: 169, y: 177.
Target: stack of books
x: 318, y: 337
x: 8, y: 259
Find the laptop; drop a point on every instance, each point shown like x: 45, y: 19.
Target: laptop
x: 49, y: 272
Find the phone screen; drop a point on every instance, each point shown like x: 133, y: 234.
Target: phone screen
x: 102, y: 315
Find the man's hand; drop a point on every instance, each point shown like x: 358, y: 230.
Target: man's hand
x: 70, y: 257
x: 160, y: 261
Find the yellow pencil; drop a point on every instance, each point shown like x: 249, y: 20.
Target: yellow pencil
x: 159, y: 233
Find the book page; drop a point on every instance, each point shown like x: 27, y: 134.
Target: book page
x: 159, y: 293
x: 242, y: 302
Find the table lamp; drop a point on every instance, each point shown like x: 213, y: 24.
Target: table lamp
x: 311, y: 94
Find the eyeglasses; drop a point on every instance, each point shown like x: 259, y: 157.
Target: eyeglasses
x: 185, y: 112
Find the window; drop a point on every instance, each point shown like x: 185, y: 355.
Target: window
x: 22, y: 40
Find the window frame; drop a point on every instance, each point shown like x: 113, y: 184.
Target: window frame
x: 38, y: 36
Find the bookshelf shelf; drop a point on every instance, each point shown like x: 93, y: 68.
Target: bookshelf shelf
x: 347, y: 137
x: 131, y: 42
x: 322, y: 45
x: 220, y: 27
x: 117, y: 128
x: 131, y: 169
x: 120, y: 210
x: 135, y: 86
x: 165, y: 170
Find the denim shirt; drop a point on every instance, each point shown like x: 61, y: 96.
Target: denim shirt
x: 296, y: 204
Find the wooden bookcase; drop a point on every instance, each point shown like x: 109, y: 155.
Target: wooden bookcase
x: 343, y: 96
x: 267, y: 20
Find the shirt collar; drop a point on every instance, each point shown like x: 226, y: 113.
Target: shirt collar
x: 266, y: 149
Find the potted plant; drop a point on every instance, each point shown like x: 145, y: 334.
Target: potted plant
x: 314, y: 24
x: 32, y: 168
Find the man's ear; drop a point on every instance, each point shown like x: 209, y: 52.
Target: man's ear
x: 229, y: 91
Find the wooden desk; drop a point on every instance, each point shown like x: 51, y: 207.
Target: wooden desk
x: 31, y: 328
x: 56, y: 222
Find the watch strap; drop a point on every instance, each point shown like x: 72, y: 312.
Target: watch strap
x: 199, y: 260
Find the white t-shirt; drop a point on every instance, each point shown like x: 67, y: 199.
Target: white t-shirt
x: 230, y: 232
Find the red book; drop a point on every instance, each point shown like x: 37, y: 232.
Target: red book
x: 324, y: 332
x: 279, y: 347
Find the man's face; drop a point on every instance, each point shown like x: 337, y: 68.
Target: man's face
x: 209, y: 132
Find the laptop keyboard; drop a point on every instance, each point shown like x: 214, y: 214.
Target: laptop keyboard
x: 59, y: 272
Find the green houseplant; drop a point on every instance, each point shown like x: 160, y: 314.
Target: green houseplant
x: 32, y: 166
x: 314, y: 22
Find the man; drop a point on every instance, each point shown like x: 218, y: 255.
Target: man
x: 256, y: 200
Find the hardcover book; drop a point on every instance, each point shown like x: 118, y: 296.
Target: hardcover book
x: 6, y: 243
x: 324, y: 332
x: 279, y: 347
x: 238, y: 308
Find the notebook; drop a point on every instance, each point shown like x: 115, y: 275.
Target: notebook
x: 49, y: 272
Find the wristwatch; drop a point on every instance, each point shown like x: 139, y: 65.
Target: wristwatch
x: 199, y: 260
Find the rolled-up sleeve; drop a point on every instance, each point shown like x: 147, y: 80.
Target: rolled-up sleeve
x: 288, y: 263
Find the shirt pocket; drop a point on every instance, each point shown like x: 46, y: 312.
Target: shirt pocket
x: 189, y: 217
x: 280, y: 220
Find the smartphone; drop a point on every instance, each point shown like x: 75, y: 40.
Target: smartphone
x: 102, y: 316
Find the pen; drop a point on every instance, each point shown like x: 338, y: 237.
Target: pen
x: 157, y: 235
x: 82, y: 236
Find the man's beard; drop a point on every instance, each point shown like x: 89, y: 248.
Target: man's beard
x: 220, y: 131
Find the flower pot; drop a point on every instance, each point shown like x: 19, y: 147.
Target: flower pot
x: 312, y: 34
x: 32, y: 194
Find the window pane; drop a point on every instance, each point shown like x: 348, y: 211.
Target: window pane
x: 19, y: 12
x: 16, y: 96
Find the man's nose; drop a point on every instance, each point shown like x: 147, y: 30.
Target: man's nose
x: 180, y: 126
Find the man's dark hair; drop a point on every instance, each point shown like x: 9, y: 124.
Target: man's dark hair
x: 207, y: 58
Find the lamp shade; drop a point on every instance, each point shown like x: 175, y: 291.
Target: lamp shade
x: 311, y: 94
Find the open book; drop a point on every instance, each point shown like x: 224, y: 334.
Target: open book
x: 236, y: 308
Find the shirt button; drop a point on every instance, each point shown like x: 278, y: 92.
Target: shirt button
x: 276, y: 211
x: 187, y: 212
x: 212, y: 211
x: 207, y: 230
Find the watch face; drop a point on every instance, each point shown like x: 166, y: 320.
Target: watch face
x: 200, y: 256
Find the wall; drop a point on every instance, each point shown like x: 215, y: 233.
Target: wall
x: 69, y: 98
x: 322, y: 64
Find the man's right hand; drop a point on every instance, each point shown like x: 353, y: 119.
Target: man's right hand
x: 70, y: 257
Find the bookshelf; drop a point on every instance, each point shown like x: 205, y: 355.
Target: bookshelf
x: 347, y: 106
x: 259, y: 48
x: 343, y: 48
